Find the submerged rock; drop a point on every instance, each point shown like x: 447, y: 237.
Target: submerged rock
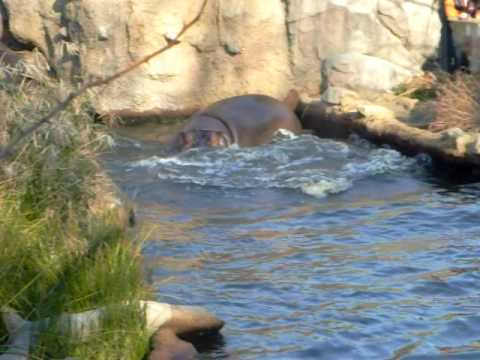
x: 167, y: 346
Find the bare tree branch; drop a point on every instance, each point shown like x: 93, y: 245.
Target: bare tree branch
x: 7, y: 151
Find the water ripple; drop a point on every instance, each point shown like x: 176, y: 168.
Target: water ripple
x: 386, y: 268
x: 316, y: 166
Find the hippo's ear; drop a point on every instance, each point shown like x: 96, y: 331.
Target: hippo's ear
x: 187, y: 139
x: 218, y: 139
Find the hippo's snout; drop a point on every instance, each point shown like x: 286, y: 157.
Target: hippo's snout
x: 203, y: 138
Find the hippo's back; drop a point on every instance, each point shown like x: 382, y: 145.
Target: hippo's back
x: 253, y: 119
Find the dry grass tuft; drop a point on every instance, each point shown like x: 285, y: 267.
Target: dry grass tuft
x: 458, y: 104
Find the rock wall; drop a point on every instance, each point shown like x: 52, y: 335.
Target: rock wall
x: 403, y: 33
x: 241, y: 46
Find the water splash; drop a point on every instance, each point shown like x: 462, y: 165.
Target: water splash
x: 317, y: 167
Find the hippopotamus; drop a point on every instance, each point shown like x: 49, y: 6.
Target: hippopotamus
x: 245, y: 120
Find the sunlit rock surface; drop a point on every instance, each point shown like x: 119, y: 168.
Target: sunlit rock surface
x: 245, y: 46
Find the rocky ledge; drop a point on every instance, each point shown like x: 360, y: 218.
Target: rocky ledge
x: 400, y: 122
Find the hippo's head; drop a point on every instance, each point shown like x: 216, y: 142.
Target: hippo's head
x: 202, y: 138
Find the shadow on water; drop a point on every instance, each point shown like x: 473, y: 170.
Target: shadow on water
x: 213, y: 344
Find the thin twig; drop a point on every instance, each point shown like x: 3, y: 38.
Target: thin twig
x: 7, y: 151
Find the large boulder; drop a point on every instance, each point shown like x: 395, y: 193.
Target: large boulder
x: 243, y: 46
x: 404, y: 33
x: 356, y: 71
x: 237, y: 47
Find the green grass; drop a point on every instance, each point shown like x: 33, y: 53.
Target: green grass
x: 122, y: 336
x: 400, y: 89
x: 420, y: 94
x: 56, y: 254
x: 424, y: 94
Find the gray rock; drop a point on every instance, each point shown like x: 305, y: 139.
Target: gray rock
x: 358, y: 71
x: 238, y: 47
x: 393, y: 16
x: 334, y: 95
x: 474, y: 146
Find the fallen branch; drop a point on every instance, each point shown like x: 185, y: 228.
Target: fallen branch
x: 7, y: 151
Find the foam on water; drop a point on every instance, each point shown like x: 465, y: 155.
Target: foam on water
x: 317, y: 167
x: 386, y: 270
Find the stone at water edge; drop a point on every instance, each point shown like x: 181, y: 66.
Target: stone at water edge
x: 376, y: 111
x: 192, y: 319
x: 19, y: 332
x: 167, y: 346
x: 176, y: 319
x: 335, y: 95
x: 185, y: 320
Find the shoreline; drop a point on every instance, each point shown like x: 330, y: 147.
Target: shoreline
x: 453, y: 151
